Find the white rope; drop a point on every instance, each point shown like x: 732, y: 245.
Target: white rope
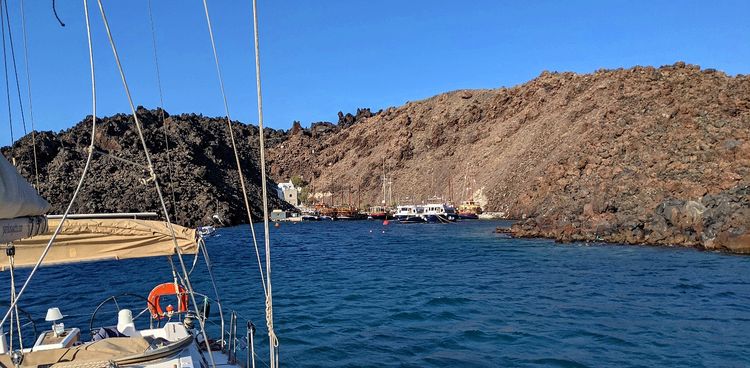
x: 273, y: 340
x: 152, y: 173
x: 80, y: 181
x: 13, y: 311
x: 28, y: 90
x: 11, y: 264
x: 234, y: 147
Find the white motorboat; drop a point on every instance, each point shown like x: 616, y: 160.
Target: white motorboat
x: 409, y: 214
x: 206, y: 231
x: 439, y: 213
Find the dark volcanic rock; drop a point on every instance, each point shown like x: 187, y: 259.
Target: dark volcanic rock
x: 203, y: 167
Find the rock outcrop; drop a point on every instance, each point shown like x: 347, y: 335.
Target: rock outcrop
x: 640, y: 155
x: 202, y: 167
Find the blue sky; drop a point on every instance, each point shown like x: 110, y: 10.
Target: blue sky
x: 321, y: 57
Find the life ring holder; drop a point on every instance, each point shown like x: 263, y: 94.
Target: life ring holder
x: 167, y: 288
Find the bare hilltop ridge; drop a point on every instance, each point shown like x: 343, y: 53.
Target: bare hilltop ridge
x: 642, y: 155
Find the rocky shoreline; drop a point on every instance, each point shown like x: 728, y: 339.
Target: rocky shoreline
x: 714, y: 222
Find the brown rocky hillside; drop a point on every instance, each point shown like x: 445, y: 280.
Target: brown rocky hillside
x: 640, y: 155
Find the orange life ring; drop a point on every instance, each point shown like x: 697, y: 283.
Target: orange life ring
x: 167, y: 288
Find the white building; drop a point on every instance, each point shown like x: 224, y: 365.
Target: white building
x: 289, y: 193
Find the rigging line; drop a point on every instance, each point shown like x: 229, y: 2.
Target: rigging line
x: 15, y: 69
x: 80, y: 181
x: 273, y: 340
x: 153, y: 177
x: 54, y: 10
x: 7, y: 86
x: 105, y: 154
x: 161, y: 113
x: 11, y: 264
x: 28, y: 90
x: 209, y: 267
x: 13, y: 311
x: 234, y: 148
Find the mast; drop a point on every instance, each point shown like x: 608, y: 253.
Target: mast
x: 383, y: 179
x: 450, y: 190
x: 390, y: 188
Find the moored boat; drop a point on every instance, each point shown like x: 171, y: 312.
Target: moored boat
x: 325, y: 212
x: 310, y: 216
x: 439, y: 213
x: 346, y: 213
x: 469, y: 210
x: 409, y: 214
x: 378, y: 213
x: 206, y: 231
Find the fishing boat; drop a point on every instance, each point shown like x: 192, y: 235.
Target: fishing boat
x: 469, y: 210
x: 150, y: 332
x: 409, y: 214
x: 378, y: 213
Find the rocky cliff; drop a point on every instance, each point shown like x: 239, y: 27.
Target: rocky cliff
x: 202, y: 167
x: 641, y: 155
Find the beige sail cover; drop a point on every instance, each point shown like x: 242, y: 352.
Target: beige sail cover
x: 101, y: 239
x: 17, y: 197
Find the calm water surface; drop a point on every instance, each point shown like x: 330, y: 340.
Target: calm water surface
x: 457, y: 295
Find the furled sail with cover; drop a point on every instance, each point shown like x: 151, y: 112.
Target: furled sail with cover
x: 101, y: 239
x: 21, y: 207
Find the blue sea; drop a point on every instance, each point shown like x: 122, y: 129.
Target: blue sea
x: 360, y: 294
